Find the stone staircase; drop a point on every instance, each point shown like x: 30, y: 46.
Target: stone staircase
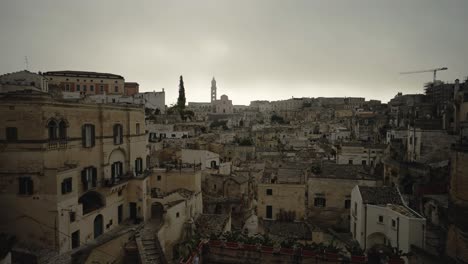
x: 149, y: 247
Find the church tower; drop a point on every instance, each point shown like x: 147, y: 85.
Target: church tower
x: 213, y: 90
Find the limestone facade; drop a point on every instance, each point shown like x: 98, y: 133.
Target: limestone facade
x: 72, y: 163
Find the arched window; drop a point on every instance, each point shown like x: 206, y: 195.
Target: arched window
x: 62, y: 133
x: 52, y: 127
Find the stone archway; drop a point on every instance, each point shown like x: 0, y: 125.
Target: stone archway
x: 377, y: 239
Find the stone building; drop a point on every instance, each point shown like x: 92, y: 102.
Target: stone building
x: 23, y: 80
x: 359, y: 153
x: 206, y: 158
x: 87, y: 83
x: 131, y: 88
x: 65, y: 172
x: 329, y: 193
x: 282, y: 195
x: 223, y: 105
x: 457, y: 238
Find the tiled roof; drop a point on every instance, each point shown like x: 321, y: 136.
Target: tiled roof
x: 208, y: 224
x: 299, y: 230
x: 84, y: 74
x: 380, y: 195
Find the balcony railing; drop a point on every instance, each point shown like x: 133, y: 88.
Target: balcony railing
x: 58, y: 144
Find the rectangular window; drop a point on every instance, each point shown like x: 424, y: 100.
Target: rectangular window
x: 138, y: 128
x: 393, y: 223
x: 11, y: 134
x: 350, y: 162
x: 118, y: 134
x: 120, y: 214
x: 347, y: 204
x: 269, y: 211
x: 84, y: 88
x: 72, y: 217
x: 88, y: 135
x: 78, y: 88
x: 67, y: 185
x: 159, y: 178
x: 67, y: 87
x: 380, y: 218
x: 364, y: 162
x: 89, y: 178
x: 269, y: 192
x: 101, y: 87
x: 25, y: 186
x: 91, y: 88
x: 411, y: 140
x: 117, y: 170
x: 116, y: 89
x: 138, y: 166
x: 320, y: 202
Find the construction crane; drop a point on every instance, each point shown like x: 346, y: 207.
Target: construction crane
x: 432, y: 70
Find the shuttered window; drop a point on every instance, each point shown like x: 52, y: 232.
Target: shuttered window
x: 88, y: 135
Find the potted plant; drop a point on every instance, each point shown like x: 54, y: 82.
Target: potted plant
x: 357, y: 253
x: 309, y: 250
x: 267, y: 244
x: 396, y: 256
x: 332, y: 251
x: 215, y: 241
x: 289, y: 246
x: 233, y: 239
x: 252, y: 243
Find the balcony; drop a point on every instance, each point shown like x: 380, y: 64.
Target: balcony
x: 57, y: 144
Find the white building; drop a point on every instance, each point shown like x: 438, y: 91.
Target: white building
x: 153, y: 100
x: 379, y: 216
x: 397, y: 134
x: 357, y: 153
x: 207, y: 158
x: 340, y: 134
x: 23, y: 80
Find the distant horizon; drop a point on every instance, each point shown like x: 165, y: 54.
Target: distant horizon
x: 257, y: 50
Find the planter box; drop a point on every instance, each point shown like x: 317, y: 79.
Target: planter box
x: 189, y: 260
x: 267, y: 249
x: 331, y: 256
x: 250, y: 247
x: 232, y: 245
x: 358, y: 259
x: 215, y: 243
x: 287, y: 251
x: 308, y: 253
x: 396, y: 261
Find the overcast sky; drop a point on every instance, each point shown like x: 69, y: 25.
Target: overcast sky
x: 256, y: 49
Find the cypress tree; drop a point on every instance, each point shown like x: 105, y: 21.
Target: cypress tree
x: 181, y: 99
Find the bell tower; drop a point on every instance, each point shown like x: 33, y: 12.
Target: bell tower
x: 213, y: 90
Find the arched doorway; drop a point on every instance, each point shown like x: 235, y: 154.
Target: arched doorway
x: 157, y: 211
x: 213, y: 164
x: 91, y: 201
x: 98, y: 226
x: 377, y: 239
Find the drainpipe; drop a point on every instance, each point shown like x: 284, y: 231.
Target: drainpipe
x: 398, y: 233
x: 365, y: 226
